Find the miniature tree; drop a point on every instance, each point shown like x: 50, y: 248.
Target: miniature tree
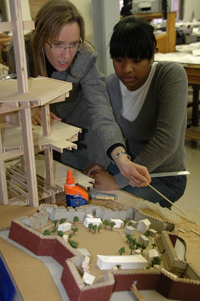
x: 46, y: 232
x: 147, y: 233
x: 154, y: 245
x: 132, y: 241
x: 94, y: 228
x: 148, y: 267
x: 75, y: 230
x: 122, y: 250
x: 106, y: 223
x: 62, y: 220
x: 132, y: 247
x: 99, y: 228
x: 90, y: 226
x: 125, y: 222
x: 143, y: 247
x: 55, y: 222
x: 130, y: 224
x: 70, y: 235
x: 60, y: 233
x: 156, y: 260
x: 138, y: 245
x: 54, y: 230
x: 73, y: 243
x: 128, y: 237
x: 75, y: 219
x: 112, y: 224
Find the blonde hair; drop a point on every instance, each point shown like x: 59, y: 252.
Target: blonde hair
x: 49, y: 21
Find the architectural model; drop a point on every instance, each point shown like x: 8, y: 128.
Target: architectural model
x: 125, y: 262
x: 177, y: 280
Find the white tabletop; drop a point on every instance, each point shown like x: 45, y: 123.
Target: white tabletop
x: 180, y: 57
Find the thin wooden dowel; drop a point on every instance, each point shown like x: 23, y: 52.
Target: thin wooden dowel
x: 166, y: 199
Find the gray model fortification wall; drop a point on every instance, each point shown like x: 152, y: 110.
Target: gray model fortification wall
x: 156, y: 224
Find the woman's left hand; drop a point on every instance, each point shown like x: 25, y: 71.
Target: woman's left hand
x: 104, y: 180
x: 92, y: 168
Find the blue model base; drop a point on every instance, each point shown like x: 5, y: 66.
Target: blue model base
x: 73, y: 201
x: 7, y: 289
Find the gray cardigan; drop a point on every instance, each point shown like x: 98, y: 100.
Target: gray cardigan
x: 156, y: 137
x: 88, y: 107
x: 89, y: 83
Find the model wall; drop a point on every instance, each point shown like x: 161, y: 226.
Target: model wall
x: 178, y: 289
x: 171, y: 253
x: 56, y: 212
x: 157, y: 225
x: 129, y: 212
x: 41, y: 245
x: 76, y: 289
x: 193, y: 273
x: 144, y: 279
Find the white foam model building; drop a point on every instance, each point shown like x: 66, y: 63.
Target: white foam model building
x: 143, y: 225
x: 88, y: 278
x: 153, y: 232
x: 130, y: 230
x: 66, y: 237
x: 118, y: 222
x: 125, y: 262
x: 94, y: 221
x: 144, y: 240
x: 64, y: 227
x: 152, y: 254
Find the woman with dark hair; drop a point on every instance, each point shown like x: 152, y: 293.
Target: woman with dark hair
x: 149, y: 100
x: 57, y: 49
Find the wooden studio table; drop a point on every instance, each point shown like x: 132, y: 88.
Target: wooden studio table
x: 191, y: 65
x: 193, y: 73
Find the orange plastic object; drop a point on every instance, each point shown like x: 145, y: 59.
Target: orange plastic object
x: 75, y: 195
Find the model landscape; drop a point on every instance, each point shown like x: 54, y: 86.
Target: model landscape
x: 87, y: 276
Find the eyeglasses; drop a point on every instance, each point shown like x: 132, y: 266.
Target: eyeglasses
x: 59, y: 47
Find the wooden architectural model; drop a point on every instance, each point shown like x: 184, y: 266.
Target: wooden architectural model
x: 18, y: 137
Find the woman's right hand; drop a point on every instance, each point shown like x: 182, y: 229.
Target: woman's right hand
x: 37, y: 118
